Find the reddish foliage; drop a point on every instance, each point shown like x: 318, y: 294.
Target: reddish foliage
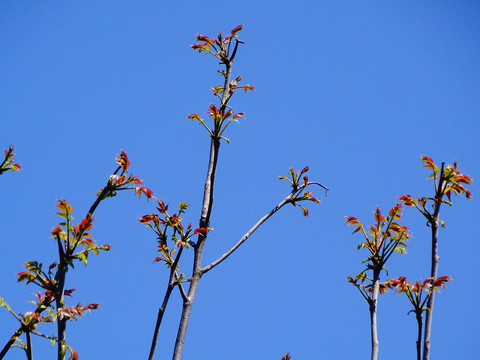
x: 123, y: 161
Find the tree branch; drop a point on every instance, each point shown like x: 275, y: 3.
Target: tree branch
x: 100, y: 197
x: 248, y: 233
x: 318, y: 184
x: 181, y: 289
x: 10, y: 342
x: 28, y: 350
x: 161, y: 311
x: 171, y: 284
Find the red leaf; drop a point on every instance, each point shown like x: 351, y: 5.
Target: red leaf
x: 305, y: 211
x: 407, y: 200
x: 194, y: 116
x: 201, y: 37
x: 237, y: 29
x: 305, y: 169
x: 378, y: 215
x: 56, y: 231
x: 123, y: 161
x: 148, y: 218
x: 142, y: 189
x: 440, y: 282
x: 69, y: 292
x: 429, y: 164
x: 162, y: 208
x: 64, y: 207
x: 85, y: 225
x: 201, y: 231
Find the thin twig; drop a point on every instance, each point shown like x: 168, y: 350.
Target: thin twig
x: 181, y: 289
x: 171, y: 284
x: 161, y: 311
x: 102, y: 194
x: 42, y: 335
x: 321, y: 185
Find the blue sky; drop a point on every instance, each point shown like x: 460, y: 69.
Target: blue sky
x: 357, y: 91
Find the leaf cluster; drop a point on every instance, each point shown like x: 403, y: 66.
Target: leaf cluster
x: 167, y: 226
x: 385, y: 237
x: 415, y: 291
x: 118, y: 182
x: 75, y: 243
x: 299, y: 181
x: 222, y: 49
x: 8, y: 161
x: 447, y: 180
x: 75, y: 238
x: 219, y: 47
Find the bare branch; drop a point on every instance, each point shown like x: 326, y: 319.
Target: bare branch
x: 181, y: 289
x: 249, y: 232
x: 29, y: 346
x: 321, y: 185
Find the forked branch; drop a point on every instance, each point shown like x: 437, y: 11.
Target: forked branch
x: 288, y: 199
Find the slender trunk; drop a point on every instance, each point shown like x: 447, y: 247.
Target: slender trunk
x: 29, y: 346
x: 419, y: 335
x: 434, y: 221
x: 61, y: 334
x: 186, y: 310
x: 59, y: 299
x: 373, y: 313
x: 197, y: 261
x: 206, y: 212
x: 431, y: 298
x: 161, y: 311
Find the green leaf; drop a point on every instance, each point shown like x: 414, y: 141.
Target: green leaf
x: 63, y: 215
x: 400, y: 249
x: 3, y: 303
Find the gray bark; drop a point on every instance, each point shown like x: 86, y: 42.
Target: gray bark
x: 373, y: 313
x: 434, y: 221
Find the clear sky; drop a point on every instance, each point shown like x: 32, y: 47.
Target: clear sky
x: 356, y: 90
